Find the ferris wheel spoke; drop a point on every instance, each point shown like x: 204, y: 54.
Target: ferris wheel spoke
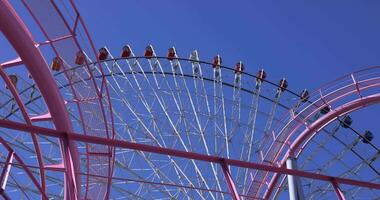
x: 270, y: 118
x: 351, y: 170
x: 249, y: 134
x: 220, y: 126
x: 177, y: 65
x: 338, y: 158
x: 158, y: 99
x: 264, y: 141
x: 153, y: 67
x: 348, y: 147
x: 154, y: 64
x: 132, y: 172
x: 198, y: 77
x: 199, y: 86
x: 152, y: 166
x: 138, y: 118
x: 23, y: 189
x: 159, y: 134
x: 138, y: 91
x: 236, y: 101
x: 355, y: 190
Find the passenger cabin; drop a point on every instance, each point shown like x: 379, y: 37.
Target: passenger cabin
x: 217, y: 61
x: 126, y: 52
x: 103, y: 53
x: 79, y: 60
x: 171, y: 53
x: 148, y: 51
x: 239, y: 68
x: 346, y: 122
x: 367, y: 137
x: 56, y: 64
x: 194, y: 56
x: 261, y: 75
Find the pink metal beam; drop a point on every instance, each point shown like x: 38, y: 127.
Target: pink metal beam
x: 287, y: 132
x: 26, y: 169
x: 103, y: 86
x: 230, y: 181
x: 179, y: 153
x: 59, y: 168
x: 338, y: 191
x: 25, y: 114
x: 103, y: 100
x: 43, y: 117
x: 20, y: 38
x: 12, y: 63
x: 332, y: 115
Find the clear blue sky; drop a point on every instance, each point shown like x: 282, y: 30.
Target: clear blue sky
x: 308, y: 42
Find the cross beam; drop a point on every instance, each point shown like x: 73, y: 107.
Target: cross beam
x: 184, y: 154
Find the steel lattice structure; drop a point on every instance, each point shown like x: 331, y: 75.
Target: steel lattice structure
x: 97, y: 126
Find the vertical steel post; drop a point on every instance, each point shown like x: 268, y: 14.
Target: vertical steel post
x: 5, y: 173
x: 294, y: 185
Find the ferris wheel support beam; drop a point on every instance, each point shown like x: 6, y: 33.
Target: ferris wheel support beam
x: 21, y: 39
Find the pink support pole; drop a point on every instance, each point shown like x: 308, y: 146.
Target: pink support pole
x: 18, y: 35
x: 230, y: 181
x: 338, y: 191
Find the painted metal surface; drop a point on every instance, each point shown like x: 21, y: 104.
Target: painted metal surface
x: 20, y: 38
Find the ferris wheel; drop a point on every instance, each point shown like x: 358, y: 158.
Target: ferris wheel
x: 80, y: 122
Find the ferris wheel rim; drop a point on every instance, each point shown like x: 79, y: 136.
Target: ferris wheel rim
x: 109, y: 60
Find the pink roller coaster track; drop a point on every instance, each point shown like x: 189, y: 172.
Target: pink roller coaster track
x: 101, y: 143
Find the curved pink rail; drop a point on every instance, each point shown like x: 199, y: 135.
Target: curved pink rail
x: 20, y: 38
x: 28, y: 122
x: 291, y: 136
x: 64, y: 33
x: 309, y: 133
